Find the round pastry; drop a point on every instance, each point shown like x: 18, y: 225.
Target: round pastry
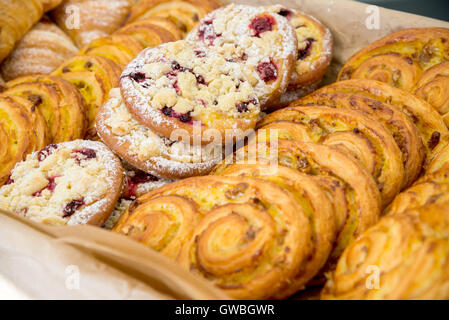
x: 147, y: 150
x: 433, y: 87
x: 147, y: 33
x: 70, y: 183
x: 404, y: 256
x: 430, y: 124
x: 362, y: 205
x: 185, y: 14
x: 94, y: 76
x: 59, y: 101
x: 15, y: 126
x: 441, y: 160
x: 399, y: 58
x: 401, y: 127
x: 176, y: 85
x: 315, y: 47
x: 263, y: 42
x: 316, y: 205
x: 353, y: 133
x: 119, y: 48
x: 252, y: 238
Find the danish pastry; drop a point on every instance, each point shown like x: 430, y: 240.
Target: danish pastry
x: 50, y: 4
x: 430, y: 124
x: 59, y: 101
x: 167, y: 25
x: 185, y: 14
x: 94, y: 76
x: 253, y: 235
x: 441, y: 160
x: 404, y: 256
x: 40, y: 51
x: 401, y: 127
x: 354, y: 134
x: 317, y: 206
x: 264, y: 43
x: 176, y: 85
x: 119, y: 48
x: 147, y: 150
x: 87, y: 20
x: 70, y: 183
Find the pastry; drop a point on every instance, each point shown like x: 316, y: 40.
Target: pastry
x: 176, y: 85
x: 59, y: 101
x: 401, y: 127
x: 430, y: 124
x: 88, y: 20
x: 165, y: 24
x: 119, y: 48
x: 16, y: 18
x: 253, y: 235
x: 50, y: 4
x: 264, y: 43
x: 148, y: 33
x: 353, y: 133
x: 40, y: 51
x: 318, y: 208
x: 94, y: 76
x: 185, y: 14
x: 70, y: 183
x: 441, y: 160
x: 404, y: 256
x: 147, y: 150
x: 335, y: 171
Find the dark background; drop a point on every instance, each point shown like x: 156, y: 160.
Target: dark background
x: 438, y: 9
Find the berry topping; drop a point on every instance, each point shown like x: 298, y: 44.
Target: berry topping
x: 168, y: 111
x: 242, y: 107
x: 9, y: 181
x: 47, y: 151
x: 200, y: 54
x: 262, y: 24
x: 51, y: 186
x: 304, y: 53
x: 206, y: 32
x: 200, y: 80
x: 138, y: 76
x: 132, y: 183
x: 71, y: 207
x: 86, y: 153
x: 185, y: 117
x: 267, y: 71
x: 285, y: 13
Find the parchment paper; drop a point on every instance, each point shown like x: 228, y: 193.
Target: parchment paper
x: 41, y: 262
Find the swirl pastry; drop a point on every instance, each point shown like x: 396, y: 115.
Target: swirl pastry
x: 354, y: 134
x: 404, y: 256
x: 71, y: 183
x: 176, y: 85
x: 59, y: 101
x: 119, y: 48
x: 441, y: 160
x: 433, y: 87
x: 430, y: 124
x: 148, y: 33
x: 16, y: 18
x: 264, y: 43
x: 40, y: 51
x: 401, y: 127
x: 87, y: 20
x: 253, y: 235
x: 185, y: 14
x: 50, y: 4
x: 316, y: 205
x: 94, y: 76
x: 336, y: 172
x: 147, y: 150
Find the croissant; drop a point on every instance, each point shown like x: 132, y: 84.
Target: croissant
x: 16, y: 18
x: 185, y: 14
x: 94, y: 76
x: 59, y: 101
x: 430, y: 124
x: 40, y: 51
x: 87, y: 20
x: 354, y: 134
x: 404, y: 256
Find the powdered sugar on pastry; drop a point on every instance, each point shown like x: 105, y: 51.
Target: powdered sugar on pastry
x: 68, y: 183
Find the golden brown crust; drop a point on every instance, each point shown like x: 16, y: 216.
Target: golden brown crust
x: 440, y: 161
x: 147, y: 33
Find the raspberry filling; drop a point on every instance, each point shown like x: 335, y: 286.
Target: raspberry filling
x: 86, y: 153
x: 267, y: 71
x: 47, y: 151
x: 304, y: 53
x: 243, y: 106
x: 206, y: 32
x: 262, y: 24
x: 183, y: 117
x: 9, y: 181
x: 132, y: 183
x: 138, y: 76
x: 51, y: 186
x: 285, y: 13
x: 177, y: 68
x: 72, y: 207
